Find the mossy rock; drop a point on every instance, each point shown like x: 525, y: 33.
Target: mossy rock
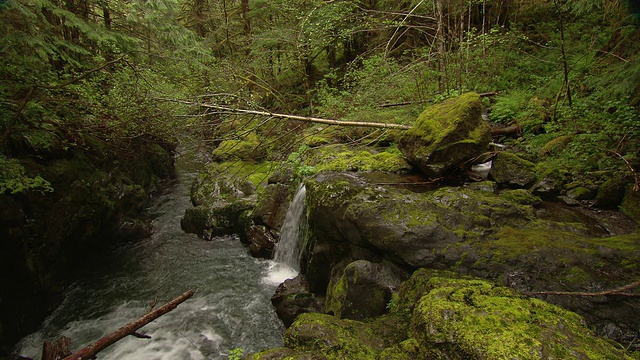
x: 341, y: 158
x: 475, y: 319
x: 247, y: 149
x: 521, y: 196
x: 630, y: 205
x: 334, y: 338
x: 611, y: 192
x: 512, y: 171
x: 556, y: 146
x: 363, y: 289
x: 550, y: 183
x: 447, y: 135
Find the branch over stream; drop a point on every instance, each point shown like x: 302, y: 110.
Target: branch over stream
x: 294, y: 117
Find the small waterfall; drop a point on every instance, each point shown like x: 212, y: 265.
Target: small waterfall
x: 289, y: 250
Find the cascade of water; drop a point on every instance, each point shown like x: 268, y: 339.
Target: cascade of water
x: 288, y: 250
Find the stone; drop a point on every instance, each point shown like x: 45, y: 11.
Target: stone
x: 261, y: 241
x: 363, y: 289
x: 512, y: 171
x: 550, y: 184
x: 447, y: 135
x: 293, y: 298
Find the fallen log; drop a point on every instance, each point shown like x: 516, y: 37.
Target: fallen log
x: 293, y: 117
x: 130, y: 329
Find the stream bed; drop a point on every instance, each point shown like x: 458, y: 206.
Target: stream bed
x: 230, y: 309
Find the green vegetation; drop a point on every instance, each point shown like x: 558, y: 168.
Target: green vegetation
x: 90, y: 90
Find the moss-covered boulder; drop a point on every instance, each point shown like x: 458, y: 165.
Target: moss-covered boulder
x: 221, y: 194
x: 342, y: 158
x: 413, y: 229
x: 509, y: 237
x: 363, y: 289
x: 512, y: 171
x: 440, y: 315
x: 631, y: 203
x: 447, y: 135
x: 611, y: 192
x: 457, y: 318
x: 249, y: 148
x: 550, y: 183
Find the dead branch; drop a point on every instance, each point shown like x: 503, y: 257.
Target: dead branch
x: 294, y: 117
x: 487, y: 94
x: 130, y: 329
x: 621, y: 291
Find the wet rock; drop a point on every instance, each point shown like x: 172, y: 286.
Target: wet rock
x: 261, y: 242
x: 272, y: 205
x: 550, y: 185
x: 447, y: 135
x: 293, y: 298
x: 440, y: 315
x: 511, y: 171
x: 363, y: 289
x: 580, y: 193
x: 494, y: 236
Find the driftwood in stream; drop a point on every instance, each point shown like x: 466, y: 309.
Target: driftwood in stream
x: 130, y: 329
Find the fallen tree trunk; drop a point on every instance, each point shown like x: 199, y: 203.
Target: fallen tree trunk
x: 295, y: 117
x: 130, y: 329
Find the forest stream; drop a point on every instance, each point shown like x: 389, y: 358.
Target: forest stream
x: 231, y: 308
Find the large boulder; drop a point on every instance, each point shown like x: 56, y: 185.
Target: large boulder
x: 363, y: 289
x: 509, y: 237
x: 221, y: 194
x: 447, y: 135
x: 439, y: 315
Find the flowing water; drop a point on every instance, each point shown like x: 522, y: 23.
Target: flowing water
x: 288, y: 250
x: 231, y: 308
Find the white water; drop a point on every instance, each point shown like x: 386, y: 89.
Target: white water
x: 288, y: 250
x: 231, y: 308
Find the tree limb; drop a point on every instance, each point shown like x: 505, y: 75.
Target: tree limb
x: 130, y: 329
x: 295, y: 117
x: 617, y: 292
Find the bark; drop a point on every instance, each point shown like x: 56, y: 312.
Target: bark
x: 56, y: 350
x: 509, y: 130
x: 130, y: 329
x: 295, y: 117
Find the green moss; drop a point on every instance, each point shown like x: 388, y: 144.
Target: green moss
x: 436, y: 122
x: 521, y: 196
x: 556, y: 146
x: 340, y: 158
x: 247, y: 149
x: 334, y: 338
x: 630, y: 205
x: 476, y: 319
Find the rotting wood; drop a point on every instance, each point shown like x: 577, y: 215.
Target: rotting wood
x: 613, y: 292
x: 295, y: 117
x: 130, y: 329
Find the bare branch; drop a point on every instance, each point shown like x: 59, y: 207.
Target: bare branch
x: 617, y: 292
x: 130, y: 329
x: 294, y: 117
